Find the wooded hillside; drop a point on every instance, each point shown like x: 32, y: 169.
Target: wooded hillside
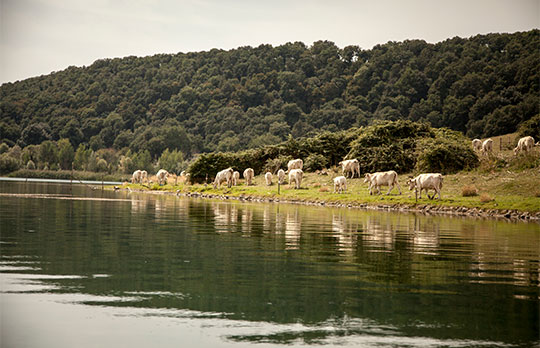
x: 232, y: 100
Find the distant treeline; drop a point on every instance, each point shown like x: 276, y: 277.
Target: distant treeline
x: 253, y: 96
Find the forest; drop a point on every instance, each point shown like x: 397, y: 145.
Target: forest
x: 249, y: 97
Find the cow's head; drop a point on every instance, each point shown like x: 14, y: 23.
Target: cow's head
x: 367, y: 177
x: 412, y: 183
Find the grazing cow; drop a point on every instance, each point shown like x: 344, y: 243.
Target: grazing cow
x: 340, y: 183
x: 226, y: 175
x: 235, y: 177
x: 477, y: 144
x: 144, y: 176
x: 281, y: 176
x: 487, y: 147
x: 296, y: 175
x: 376, y: 180
x: 352, y: 166
x: 162, y: 175
x: 136, y: 177
x: 295, y: 164
x: 268, y: 178
x: 524, y: 144
x: 432, y: 181
x: 248, y: 175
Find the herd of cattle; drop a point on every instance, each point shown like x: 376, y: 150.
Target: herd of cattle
x: 422, y: 182
x: 525, y: 145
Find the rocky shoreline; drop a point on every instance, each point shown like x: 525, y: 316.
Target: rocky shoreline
x: 426, y: 209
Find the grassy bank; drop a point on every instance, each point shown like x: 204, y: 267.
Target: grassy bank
x: 500, y: 190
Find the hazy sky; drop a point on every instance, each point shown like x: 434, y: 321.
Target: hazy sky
x: 41, y: 36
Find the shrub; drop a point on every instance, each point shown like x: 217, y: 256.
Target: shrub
x: 525, y: 161
x: 8, y: 164
x: 4, y: 148
x: 469, y: 191
x: 315, y: 162
x: 445, y: 154
x: 485, y: 198
x: 102, y: 166
x: 274, y: 164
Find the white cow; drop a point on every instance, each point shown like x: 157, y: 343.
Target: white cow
x: 340, y: 183
x: 350, y: 166
x: 295, y: 164
x: 162, y: 175
x: 248, y: 175
x: 144, y: 176
x: 477, y: 144
x: 136, y: 177
x: 487, y: 147
x: 226, y: 175
x: 524, y: 144
x: 235, y: 177
x: 431, y: 181
x: 296, y: 175
x: 281, y: 176
x: 376, y: 180
x: 268, y: 178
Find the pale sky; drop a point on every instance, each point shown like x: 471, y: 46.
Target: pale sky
x: 41, y: 36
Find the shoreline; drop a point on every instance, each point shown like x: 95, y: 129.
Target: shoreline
x: 421, y: 208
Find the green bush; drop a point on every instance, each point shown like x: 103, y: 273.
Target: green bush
x: 444, y: 155
x: 8, y: 164
x: 274, y: 164
x: 315, y: 162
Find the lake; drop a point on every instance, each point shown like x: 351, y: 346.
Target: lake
x: 92, y: 268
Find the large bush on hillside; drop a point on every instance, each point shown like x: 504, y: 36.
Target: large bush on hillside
x: 448, y: 152
x: 388, y: 146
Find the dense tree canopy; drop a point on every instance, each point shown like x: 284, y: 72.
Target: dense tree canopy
x: 252, y: 96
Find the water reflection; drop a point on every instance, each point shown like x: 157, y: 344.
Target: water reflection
x: 281, y: 274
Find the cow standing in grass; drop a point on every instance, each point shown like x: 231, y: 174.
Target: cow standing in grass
x: 431, y: 181
x: 226, y: 176
x: 376, y: 180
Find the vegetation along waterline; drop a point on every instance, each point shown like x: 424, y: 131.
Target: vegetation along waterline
x: 498, y: 194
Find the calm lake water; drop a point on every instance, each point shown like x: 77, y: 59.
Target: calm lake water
x: 92, y: 268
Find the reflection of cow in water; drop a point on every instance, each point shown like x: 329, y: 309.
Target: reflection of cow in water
x: 225, y: 216
x: 293, y: 230
x: 377, y: 235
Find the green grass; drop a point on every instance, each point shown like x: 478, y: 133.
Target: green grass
x: 510, y: 190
